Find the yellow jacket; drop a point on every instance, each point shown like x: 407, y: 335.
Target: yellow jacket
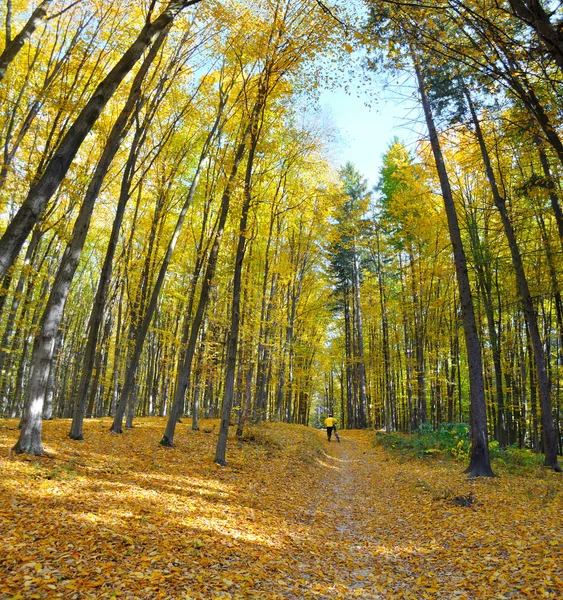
x: 330, y: 422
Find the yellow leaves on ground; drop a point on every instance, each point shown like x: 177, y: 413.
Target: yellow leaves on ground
x: 291, y: 516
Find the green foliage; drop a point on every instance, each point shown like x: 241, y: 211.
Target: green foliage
x: 514, y: 459
x: 452, y: 440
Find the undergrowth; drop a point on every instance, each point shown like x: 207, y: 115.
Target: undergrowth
x: 452, y: 441
x: 298, y: 440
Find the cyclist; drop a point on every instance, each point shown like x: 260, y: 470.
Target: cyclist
x: 330, y: 424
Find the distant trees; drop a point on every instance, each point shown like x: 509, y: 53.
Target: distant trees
x: 346, y: 254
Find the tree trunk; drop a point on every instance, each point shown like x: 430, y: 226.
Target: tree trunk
x: 59, y: 292
x: 232, y: 340
x: 184, y: 371
x: 13, y: 46
x: 141, y: 332
x: 533, y: 14
x: 482, y: 262
x: 479, y: 464
x: 362, y: 412
x: 544, y: 384
x: 55, y: 171
x: 96, y: 316
x: 553, y: 198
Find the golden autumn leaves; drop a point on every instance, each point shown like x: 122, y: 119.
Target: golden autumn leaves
x: 291, y: 516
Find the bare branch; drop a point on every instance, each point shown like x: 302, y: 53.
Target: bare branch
x: 328, y: 11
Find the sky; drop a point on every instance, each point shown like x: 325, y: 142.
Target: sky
x: 366, y: 132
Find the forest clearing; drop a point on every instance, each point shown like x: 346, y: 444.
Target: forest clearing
x: 290, y: 517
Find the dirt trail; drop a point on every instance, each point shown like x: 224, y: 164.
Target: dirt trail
x: 291, y: 517
x: 386, y: 529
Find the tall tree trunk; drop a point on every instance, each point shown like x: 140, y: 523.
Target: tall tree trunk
x: 362, y: 412
x: 388, y: 379
x: 233, y: 337
x: 544, y: 384
x: 485, y: 283
x: 13, y: 46
x: 533, y: 14
x: 53, y: 315
x: 479, y: 464
x: 246, y: 401
x: 100, y: 298
x: 56, y: 169
x: 141, y: 332
x: 421, y: 412
x: 553, y: 197
x: 351, y: 421
x: 185, y: 369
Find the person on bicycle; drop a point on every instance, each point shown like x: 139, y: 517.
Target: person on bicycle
x: 330, y: 424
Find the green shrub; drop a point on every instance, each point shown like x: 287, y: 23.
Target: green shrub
x: 514, y: 458
x: 452, y: 440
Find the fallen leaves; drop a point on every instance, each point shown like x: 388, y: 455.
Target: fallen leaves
x: 289, y: 517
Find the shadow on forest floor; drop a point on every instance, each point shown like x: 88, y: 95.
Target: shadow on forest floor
x: 291, y: 516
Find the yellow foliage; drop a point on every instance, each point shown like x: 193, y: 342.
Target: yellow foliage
x: 120, y: 516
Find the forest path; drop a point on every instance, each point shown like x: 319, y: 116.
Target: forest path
x: 387, y: 528
x: 291, y: 517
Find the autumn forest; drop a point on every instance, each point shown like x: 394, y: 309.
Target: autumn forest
x: 182, y: 255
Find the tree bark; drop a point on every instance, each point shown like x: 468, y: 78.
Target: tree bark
x: 13, y: 46
x: 553, y: 197
x: 232, y: 340
x: 544, y: 384
x: 141, y: 333
x: 362, y: 416
x: 479, y: 464
x: 113, y: 143
x: 185, y: 369
x: 533, y: 14
x: 56, y: 169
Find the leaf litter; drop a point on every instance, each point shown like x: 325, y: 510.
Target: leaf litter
x: 289, y: 517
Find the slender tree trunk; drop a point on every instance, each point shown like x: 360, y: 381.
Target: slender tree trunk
x: 479, y: 464
x: 246, y: 402
x: 13, y: 46
x: 348, y: 361
x: 55, y: 171
x: 482, y: 268
x: 98, y: 308
x: 533, y: 14
x: 388, y: 383
x: 186, y: 366
x: 55, y: 307
x: 362, y: 421
x: 141, y: 332
x: 421, y: 413
x: 553, y: 197
x: 233, y: 338
x: 232, y: 341
x: 544, y: 384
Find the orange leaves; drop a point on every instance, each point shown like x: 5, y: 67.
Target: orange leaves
x: 290, y: 516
